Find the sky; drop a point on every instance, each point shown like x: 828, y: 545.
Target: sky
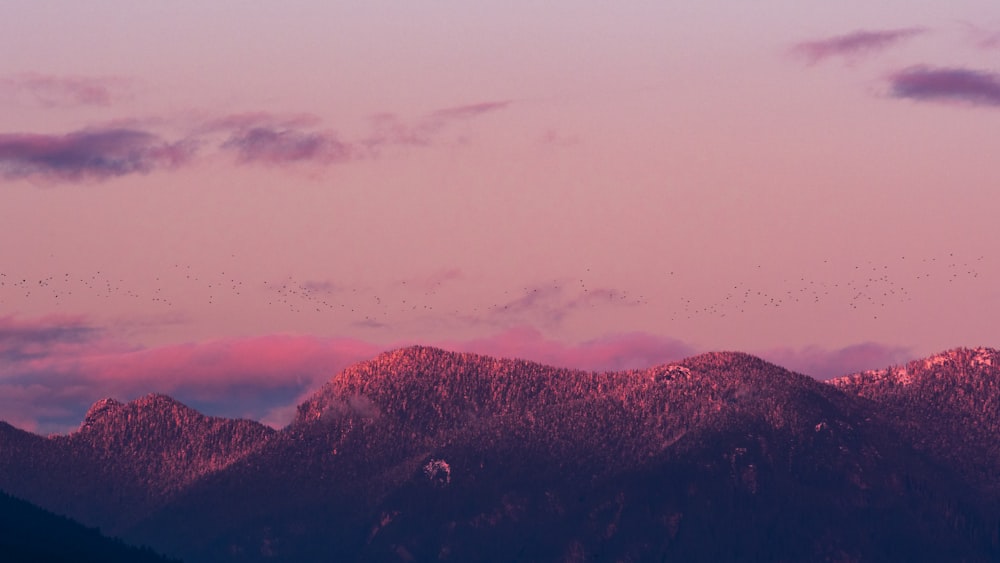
x: 229, y: 202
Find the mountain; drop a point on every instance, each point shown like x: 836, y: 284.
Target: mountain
x: 124, y: 460
x: 29, y: 534
x: 423, y: 454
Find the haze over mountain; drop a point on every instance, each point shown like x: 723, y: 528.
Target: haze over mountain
x: 422, y: 454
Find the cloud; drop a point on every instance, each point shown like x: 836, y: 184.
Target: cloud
x: 89, y: 154
x: 268, y: 145
x: 550, y: 305
x: 467, y: 111
x: 946, y: 85
x: 101, y: 153
x: 614, y: 352
x: 52, y: 369
x: 853, y: 45
x: 63, y: 91
x: 249, y: 120
x: 22, y: 341
x: 823, y: 363
x: 388, y: 129
x: 266, y: 138
x: 982, y: 38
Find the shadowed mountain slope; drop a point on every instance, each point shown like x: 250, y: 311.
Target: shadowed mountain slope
x: 29, y: 534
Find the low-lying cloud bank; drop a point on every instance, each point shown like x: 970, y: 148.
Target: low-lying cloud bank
x: 53, y: 368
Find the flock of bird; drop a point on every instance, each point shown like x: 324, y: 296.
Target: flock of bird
x: 865, y: 288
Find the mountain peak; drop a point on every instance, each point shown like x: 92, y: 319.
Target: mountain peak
x: 724, y: 359
x: 157, y: 401
x: 968, y: 356
x: 100, y: 410
x: 416, y: 353
x: 106, y: 410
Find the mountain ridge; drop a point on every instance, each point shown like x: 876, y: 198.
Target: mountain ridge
x: 428, y: 454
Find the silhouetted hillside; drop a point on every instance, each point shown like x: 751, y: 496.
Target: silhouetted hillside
x: 29, y: 534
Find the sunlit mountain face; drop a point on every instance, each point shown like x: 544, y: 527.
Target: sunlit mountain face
x: 424, y: 454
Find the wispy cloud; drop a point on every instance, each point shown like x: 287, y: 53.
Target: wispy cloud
x: 983, y: 38
x: 466, y: 111
x: 109, y: 151
x: 974, y: 87
x: 279, y: 146
x: 63, y: 91
x: 266, y: 138
x: 389, y: 129
x: 271, y: 139
x: 40, y: 338
x: 89, y: 154
x: 852, y: 46
x: 550, y: 305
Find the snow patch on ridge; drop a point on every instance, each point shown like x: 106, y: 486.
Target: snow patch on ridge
x: 670, y: 373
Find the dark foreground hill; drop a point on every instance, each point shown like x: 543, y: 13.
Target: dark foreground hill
x: 422, y: 454
x: 29, y: 534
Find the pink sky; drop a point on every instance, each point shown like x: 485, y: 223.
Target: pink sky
x: 189, y: 187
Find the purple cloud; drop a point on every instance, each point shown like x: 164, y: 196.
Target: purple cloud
x: 26, y: 340
x: 946, y: 85
x: 823, y: 363
x: 101, y: 153
x: 265, y: 138
x: 853, y: 45
x: 89, y: 154
x: 63, y: 91
x: 270, y: 145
